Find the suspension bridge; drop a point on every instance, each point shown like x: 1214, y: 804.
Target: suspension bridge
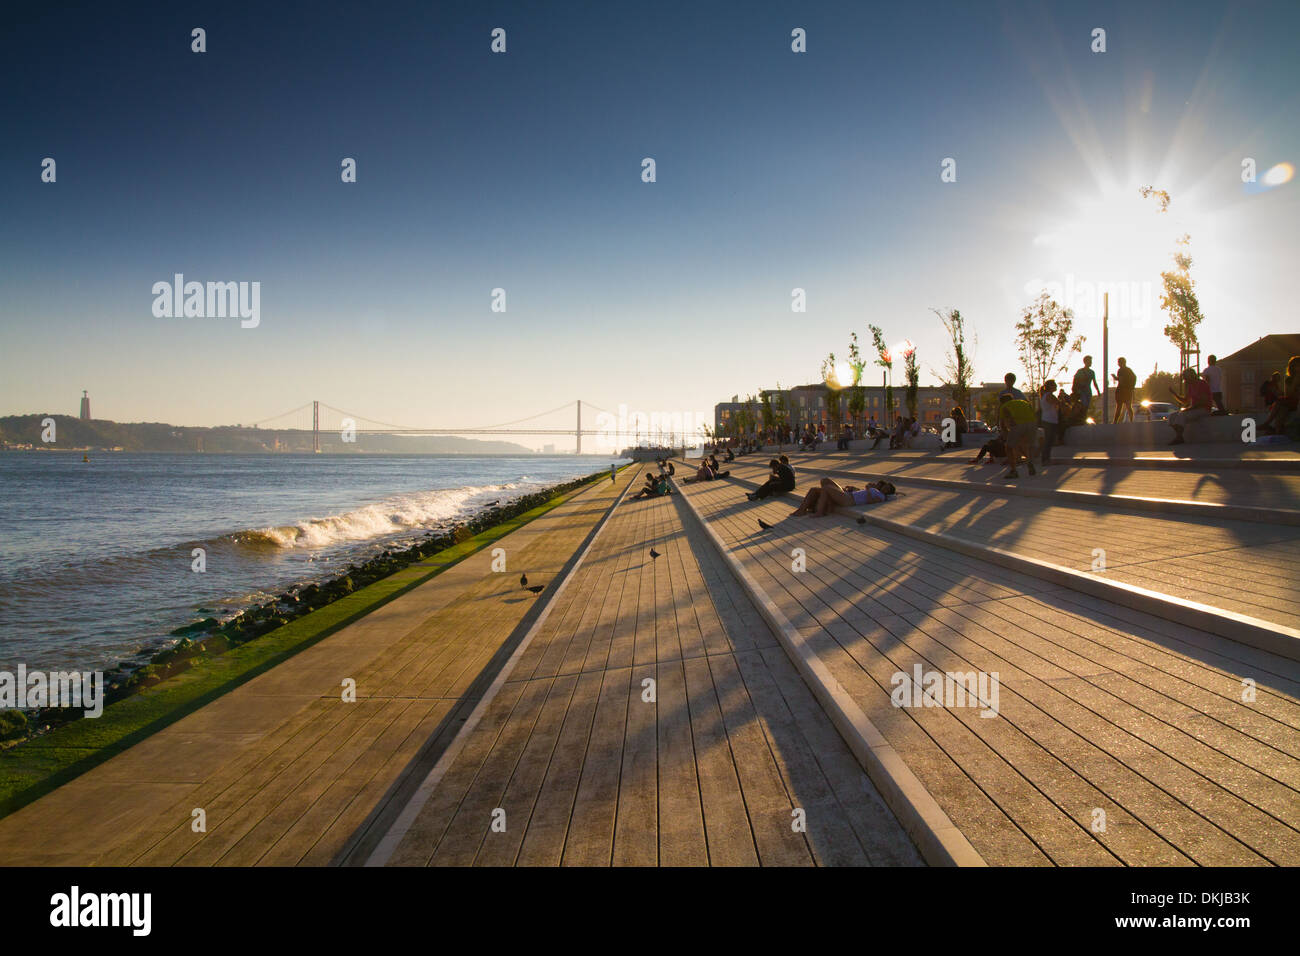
x: 319, y: 417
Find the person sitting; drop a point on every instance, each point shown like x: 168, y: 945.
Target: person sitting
x: 995, y: 448
x: 828, y: 495
x: 959, y: 420
x: 1196, y: 403
x: 780, y: 482
x: 729, y: 456
x: 655, y: 486
x: 899, y: 437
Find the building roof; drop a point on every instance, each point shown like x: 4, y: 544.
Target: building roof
x: 1267, y: 348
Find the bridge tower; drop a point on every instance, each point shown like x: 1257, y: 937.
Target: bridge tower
x: 579, y: 427
x: 315, y: 427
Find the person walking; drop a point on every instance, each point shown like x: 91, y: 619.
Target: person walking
x: 1213, y: 376
x: 1050, y: 412
x: 1125, y: 385
x: 1085, y: 384
x: 612, y: 469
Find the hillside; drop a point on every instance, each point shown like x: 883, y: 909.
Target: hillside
x: 72, y: 433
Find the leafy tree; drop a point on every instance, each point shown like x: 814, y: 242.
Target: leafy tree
x: 912, y: 371
x: 959, y: 372
x: 1045, y: 339
x: 858, y: 395
x: 769, y: 415
x: 1179, y: 299
x: 1156, y: 387
x: 885, y: 361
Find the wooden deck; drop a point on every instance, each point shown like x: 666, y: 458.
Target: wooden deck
x: 586, y: 771
x: 496, y: 728
x: 287, y: 772
x: 1102, y: 708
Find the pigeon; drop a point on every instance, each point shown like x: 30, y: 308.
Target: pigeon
x: 653, y: 554
x: 861, y: 520
x: 764, y: 525
x: 523, y: 580
x: 537, y: 588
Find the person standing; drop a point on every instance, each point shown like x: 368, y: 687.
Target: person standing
x: 1213, y: 376
x: 1010, y: 392
x: 1017, y: 420
x: 612, y: 470
x: 1085, y: 384
x: 1125, y: 385
x: 1049, y: 410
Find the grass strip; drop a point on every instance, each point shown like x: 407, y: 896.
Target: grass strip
x: 33, y: 768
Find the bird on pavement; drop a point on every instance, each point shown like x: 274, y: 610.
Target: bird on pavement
x: 523, y: 580
x: 653, y: 554
x: 861, y: 520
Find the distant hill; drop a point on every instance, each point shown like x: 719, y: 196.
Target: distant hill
x: 102, y: 434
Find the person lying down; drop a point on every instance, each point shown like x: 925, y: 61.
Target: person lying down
x: 828, y: 495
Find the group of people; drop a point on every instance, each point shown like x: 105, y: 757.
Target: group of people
x: 1281, y: 397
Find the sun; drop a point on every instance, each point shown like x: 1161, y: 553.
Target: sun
x: 1116, y: 236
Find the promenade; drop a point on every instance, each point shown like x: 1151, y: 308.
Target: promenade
x: 726, y: 699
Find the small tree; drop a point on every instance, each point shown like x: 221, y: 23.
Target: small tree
x: 1179, y: 299
x: 781, y: 410
x: 857, y: 396
x: 1157, y: 387
x: 1180, y: 303
x: 959, y: 373
x: 913, y: 373
x: 1044, y: 336
x: 833, y: 385
x: 885, y: 361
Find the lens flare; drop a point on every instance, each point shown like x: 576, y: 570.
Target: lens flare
x: 1278, y: 175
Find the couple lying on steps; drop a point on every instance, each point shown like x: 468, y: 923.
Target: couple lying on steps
x: 830, y: 495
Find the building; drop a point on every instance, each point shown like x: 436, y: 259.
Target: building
x: 1246, y: 369
x: 812, y: 405
x: 85, y: 406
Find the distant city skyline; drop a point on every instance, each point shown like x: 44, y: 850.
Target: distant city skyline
x: 516, y: 178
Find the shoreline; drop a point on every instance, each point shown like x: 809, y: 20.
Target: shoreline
x: 210, y: 640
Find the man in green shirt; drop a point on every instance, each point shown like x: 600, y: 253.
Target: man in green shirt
x: 1017, y: 419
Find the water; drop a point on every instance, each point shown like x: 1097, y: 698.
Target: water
x: 95, y: 559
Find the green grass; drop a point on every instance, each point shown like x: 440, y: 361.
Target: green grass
x: 33, y: 768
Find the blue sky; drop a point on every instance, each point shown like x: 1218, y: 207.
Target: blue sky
x: 522, y: 171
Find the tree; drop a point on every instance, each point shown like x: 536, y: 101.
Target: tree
x: 912, y: 371
x: 1180, y: 303
x: 857, y: 396
x: 781, y: 410
x: 1157, y: 386
x: 885, y: 361
x: 1044, y: 339
x: 769, y: 416
x: 1179, y: 299
x: 959, y: 372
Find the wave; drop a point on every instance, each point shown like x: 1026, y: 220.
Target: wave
x: 416, y: 511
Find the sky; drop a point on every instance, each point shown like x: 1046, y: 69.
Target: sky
x: 523, y: 171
